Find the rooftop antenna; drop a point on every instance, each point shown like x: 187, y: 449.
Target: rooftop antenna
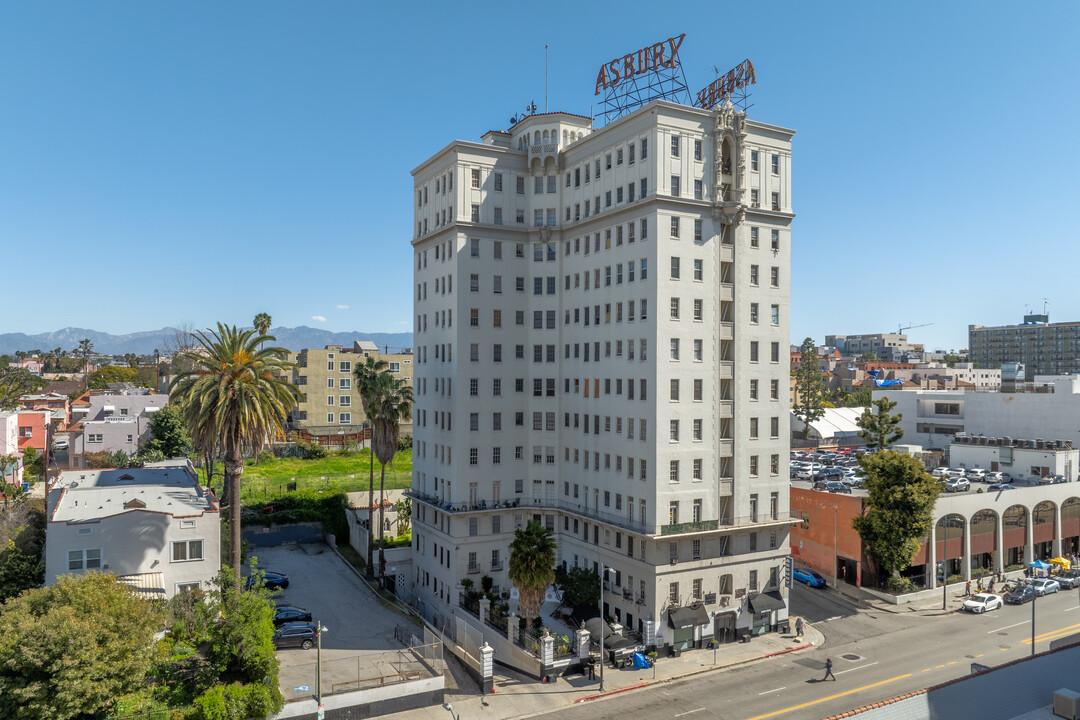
x: 1045, y: 303
x: 545, y: 78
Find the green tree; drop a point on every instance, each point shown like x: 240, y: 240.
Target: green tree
x: 262, y: 323
x: 899, y: 509
x: 234, y: 396
x: 70, y: 649
x: 858, y: 398
x: 809, y: 387
x: 877, y: 426
x: 367, y: 376
x: 169, y: 433
x: 951, y: 359
x: 403, y: 508
x: 531, y: 569
x: 85, y: 348
x: 132, y: 360
x: 242, y: 642
x: 33, y: 464
x: 580, y: 586
x: 8, y: 463
x: 100, y: 378
x: 390, y: 404
x: 16, y: 382
x: 22, y: 541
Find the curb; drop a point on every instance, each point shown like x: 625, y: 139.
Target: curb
x: 612, y: 692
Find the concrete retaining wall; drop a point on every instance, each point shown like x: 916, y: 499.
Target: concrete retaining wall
x: 371, y: 702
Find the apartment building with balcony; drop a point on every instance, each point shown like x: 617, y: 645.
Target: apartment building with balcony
x: 1044, y: 348
x: 329, y: 411
x: 599, y: 319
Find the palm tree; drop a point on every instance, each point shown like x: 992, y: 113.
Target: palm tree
x: 532, y: 566
x: 234, y: 396
x: 262, y: 323
x: 367, y: 375
x: 391, y: 403
x: 85, y: 348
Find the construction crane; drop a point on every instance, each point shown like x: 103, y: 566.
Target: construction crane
x: 909, y: 326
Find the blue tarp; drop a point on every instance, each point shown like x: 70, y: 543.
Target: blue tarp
x: 888, y: 383
x: 1040, y: 565
x: 640, y: 661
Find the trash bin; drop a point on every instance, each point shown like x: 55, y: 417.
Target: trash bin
x: 746, y: 637
x: 784, y: 627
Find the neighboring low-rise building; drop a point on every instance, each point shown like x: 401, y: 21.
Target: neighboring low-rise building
x: 1020, y: 458
x: 57, y: 404
x: 330, y: 411
x: 111, y: 420
x: 9, y: 445
x: 34, y: 432
x: 155, y: 527
x: 890, y: 347
x: 1043, y: 347
x: 932, y: 417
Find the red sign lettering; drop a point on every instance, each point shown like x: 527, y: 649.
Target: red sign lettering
x: 647, y: 59
x: 738, y: 77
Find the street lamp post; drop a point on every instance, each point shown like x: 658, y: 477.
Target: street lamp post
x: 318, y: 664
x: 944, y: 567
x: 1034, y: 597
x: 604, y: 569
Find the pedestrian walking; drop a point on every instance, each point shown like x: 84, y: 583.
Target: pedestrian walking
x: 828, y: 671
x: 967, y: 588
x: 798, y: 627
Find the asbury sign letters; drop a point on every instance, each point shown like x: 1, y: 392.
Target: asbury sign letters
x: 647, y: 59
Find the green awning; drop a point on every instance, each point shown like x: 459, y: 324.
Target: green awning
x: 764, y: 602
x: 689, y: 616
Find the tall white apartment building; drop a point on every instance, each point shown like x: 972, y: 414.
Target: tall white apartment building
x: 602, y: 346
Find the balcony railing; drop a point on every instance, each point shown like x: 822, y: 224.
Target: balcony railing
x: 689, y: 527
x: 732, y: 522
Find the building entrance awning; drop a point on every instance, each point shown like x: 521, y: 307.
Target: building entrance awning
x: 764, y: 602
x: 689, y: 616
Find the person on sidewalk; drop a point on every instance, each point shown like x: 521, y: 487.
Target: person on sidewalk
x: 799, y: 627
x: 828, y: 671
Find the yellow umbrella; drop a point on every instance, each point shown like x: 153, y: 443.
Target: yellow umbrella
x: 1061, y: 561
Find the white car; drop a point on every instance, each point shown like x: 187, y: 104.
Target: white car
x: 983, y: 602
x: 60, y: 444
x: 976, y: 474
x: 1044, y: 586
x: 808, y: 471
x: 939, y: 471
x: 953, y: 473
x: 995, y: 477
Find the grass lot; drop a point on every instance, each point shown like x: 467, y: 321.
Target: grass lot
x: 348, y: 473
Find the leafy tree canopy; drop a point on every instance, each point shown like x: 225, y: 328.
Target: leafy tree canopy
x: 16, y: 382
x: 169, y: 433
x: 100, y: 378
x: 580, y: 586
x: 70, y: 649
x: 898, y: 511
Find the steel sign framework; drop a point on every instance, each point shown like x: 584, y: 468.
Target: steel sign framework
x: 636, y: 79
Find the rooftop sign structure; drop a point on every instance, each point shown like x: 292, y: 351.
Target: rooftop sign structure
x: 638, y: 78
x: 655, y: 73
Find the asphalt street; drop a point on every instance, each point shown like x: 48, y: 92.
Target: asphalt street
x: 876, y: 655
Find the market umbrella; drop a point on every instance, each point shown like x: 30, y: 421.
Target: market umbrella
x: 1063, y: 562
x: 1039, y: 565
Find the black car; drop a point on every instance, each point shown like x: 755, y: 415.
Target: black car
x: 287, y: 614
x: 1020, y: 595
x: 295, y: 634
x: 830, y: 473
x: 272, y: 580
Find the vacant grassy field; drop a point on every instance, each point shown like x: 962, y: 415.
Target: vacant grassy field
x: 349, y: 473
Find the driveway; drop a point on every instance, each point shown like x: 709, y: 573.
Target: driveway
x: 358, y: 643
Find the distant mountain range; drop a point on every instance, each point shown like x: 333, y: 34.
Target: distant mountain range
x: 144, y: 343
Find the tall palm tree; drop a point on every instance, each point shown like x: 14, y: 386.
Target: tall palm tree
x: 367, y: 376
x: 532, y: 566
x: 234, y: 396
x: 262, y: 323
x: 391, y: 403
x: 85, y: 348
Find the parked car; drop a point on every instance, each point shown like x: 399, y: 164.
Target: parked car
x: 998, y: 487
x: 808, y: 471
x: 1044, y: 586
x: 1068, y: 579
x: 808, y: 576
x: 837, y: 487
x: 60, y: 444
x: 975, y: 474
x: 1051, y: 479
x: 939, y: 471
x: 1019, y: 595
x: 286, y: 614
x: 798, y: 454
x: 272, y: 580
x: 954, y: 472
x: 957, y: 485
x: 295, y: 634
x: 982, y: 602
x: 996, y: 477
x: 834, y: 473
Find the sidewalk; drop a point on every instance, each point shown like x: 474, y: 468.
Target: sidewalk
x: 516, y: 696
x: 927, y: 607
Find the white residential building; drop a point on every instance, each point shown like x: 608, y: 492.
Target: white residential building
x: 154, y: 527
x: 601, y: 331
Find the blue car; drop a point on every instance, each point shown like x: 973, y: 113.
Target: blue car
x: 810, y: 577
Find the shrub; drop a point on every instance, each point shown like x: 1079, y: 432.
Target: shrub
x: 404, y: 442
x: 225, y: 702
x: 304, y: 506
x: 310, y: 450
x: 266, y: 456
x: 900, y: 585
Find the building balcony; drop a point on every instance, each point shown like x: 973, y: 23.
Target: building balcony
x: 727, y: 291
x: 726, y: 408
x: 760, y: 520
x: 690, y: 527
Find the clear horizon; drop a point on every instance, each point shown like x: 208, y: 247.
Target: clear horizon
x: 198, y: 162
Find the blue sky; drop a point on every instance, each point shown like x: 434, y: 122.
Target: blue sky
x: 175, y: 162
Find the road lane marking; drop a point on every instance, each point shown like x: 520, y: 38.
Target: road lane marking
x: 1072, y: 608
x: 979, y: 655
x: 860, y: 667
x: 830, y: 697
x: 772, y: 691
x: 991, y: 632
x: 689, y: 712
x: 952, y: 663
x: 1053, y: 634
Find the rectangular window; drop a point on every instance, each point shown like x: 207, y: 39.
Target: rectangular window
x: 753, y: 428
x: 475, y: 178
x: 697, y: 429
x: 754, y: 313
x: 775, y: 164
x: 754, y: 275
x: 753, y: 465
x: 775, y: 352
x: 674, y: 146
x: 187, y: 550
x: 676, y: 189
x: 776, y: 240
x: 674, y: 227
x: 754, y: 160
x: 774, y: 315
x: 675, y: 268
x: 774, y: 277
